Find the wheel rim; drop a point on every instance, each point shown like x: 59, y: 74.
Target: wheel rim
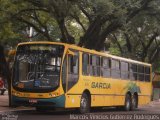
x: 128, y: 105
x: 83, y: 103
x: 134, y: 102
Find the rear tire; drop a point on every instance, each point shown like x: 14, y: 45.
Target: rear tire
x: 134, y: 102
x: 128, y: 103
x: 84, y: 104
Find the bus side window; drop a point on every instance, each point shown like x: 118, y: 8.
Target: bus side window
x: 124, y: 70
x: 98, y: 65
x: 94, y: 65
x: 105, y: 67
x: 147, y: 74
x: 140, y: 72
x: 115, y: 68
x: 133, y: 71
x: 85, y: 64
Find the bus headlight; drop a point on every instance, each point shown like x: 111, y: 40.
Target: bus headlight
x: 53, y: 94
x: 16, y: 93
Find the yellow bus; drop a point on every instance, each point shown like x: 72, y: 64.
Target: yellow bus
x: 58, y: 75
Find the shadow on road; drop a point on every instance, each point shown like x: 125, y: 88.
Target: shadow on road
x: 74, y: 111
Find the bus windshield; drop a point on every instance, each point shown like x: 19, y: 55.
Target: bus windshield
x: 37, y: 67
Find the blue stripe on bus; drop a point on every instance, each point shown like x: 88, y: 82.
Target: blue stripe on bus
x: 51, y: 102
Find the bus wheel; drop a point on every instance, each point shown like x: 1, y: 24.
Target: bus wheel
x: 134, y: 102
x: 128, y: 103
x: 84, y: 104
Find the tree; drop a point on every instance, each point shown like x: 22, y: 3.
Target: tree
x: 139, y: 39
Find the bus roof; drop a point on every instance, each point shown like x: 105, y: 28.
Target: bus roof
x: 87, y: 50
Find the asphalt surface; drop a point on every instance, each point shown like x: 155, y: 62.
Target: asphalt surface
x: 147, y: 112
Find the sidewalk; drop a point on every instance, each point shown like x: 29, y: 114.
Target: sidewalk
x: 155, y: 103
x: 5, y: 107
x: 4, y: 102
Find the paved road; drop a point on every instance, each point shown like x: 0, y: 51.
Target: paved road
x: 151, y: 111
x: 109, y: 113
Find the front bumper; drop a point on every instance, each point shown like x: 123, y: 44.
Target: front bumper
x: 45, y: 102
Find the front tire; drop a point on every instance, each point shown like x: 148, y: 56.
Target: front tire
x: 84, y: 104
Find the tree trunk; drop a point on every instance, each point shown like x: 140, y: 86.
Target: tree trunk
x: 128, y: 42
x: 92, y: 34
x: 94, y: 37
x: 66, y: 37
x: 109, y: 29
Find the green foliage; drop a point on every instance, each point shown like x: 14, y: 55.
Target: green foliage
x: 134, y: 24
x: 74, y: 29
x: 156, y: 66
x: 114, y: 50
x: 132, y: 87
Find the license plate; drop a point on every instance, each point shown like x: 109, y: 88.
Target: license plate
x: 32, y: 101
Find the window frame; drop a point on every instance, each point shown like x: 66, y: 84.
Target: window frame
x: 133, y: 73
x: 141, y: 74
x: 108, y: 67
x: 147, y: 74
x: 115, y: 69
x: 93, y: 67
x: 88, y: 64
x: 125, y: 71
